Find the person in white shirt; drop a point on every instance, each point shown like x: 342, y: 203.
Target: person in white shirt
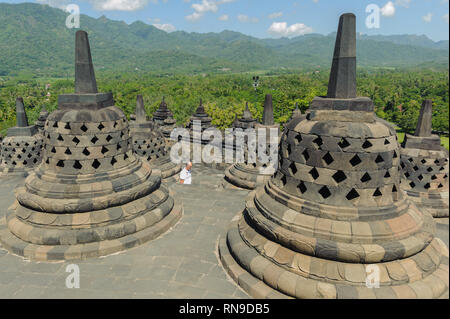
x: 185, y: 175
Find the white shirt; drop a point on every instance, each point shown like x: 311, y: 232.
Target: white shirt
x: 186, y: 176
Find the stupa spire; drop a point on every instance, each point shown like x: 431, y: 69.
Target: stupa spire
x: 423, y: 128
x: 268, y: 111
x: 21, y: 116
x: 84, y: 69
x: 342, y: 83
x: 141, y: 116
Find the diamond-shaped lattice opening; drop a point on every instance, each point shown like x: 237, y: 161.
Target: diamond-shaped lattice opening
x: 84, y: 128
x: 343, y: 143
x: 328, y: 158
x: 86, y: 152
x: 55, y: 124
x: 115, y: 124
x: 386, y: 142
x: 436, y: 162
x: 121, y: 134
x: 47, y: 161
x: 119, y: 147
x: 293, y: 169
x: 68, y: 152
x: 100, y: 126
x: 77, y: 165
x: 416, y: 168
x: 60, y: 163
x: 429, y: 169
x: 407, y: 175
x: 395, y: 154
x: 339, y: 176
x: 387, y: 175
x: 352, y: 194
x: 125, y: 156
x: 113, y: 161
x: 104, y: 150
x: 377, y: 193
x: 355, y: 160
x: 423, y: 161
x: 394, y: 189
x: 318, y: 141
x: 325, y: 192
x: 60, y: 138
x: 379, y: 159
x: 440, y: 186
x: 410, y: 159
x: 298, y: 138
x: 25, y: 162
x: 19, y: 156
x: 53, y: 150
x: 67, y: 126
x: 76, y: 140
x: 314, y: 173
x: 427, y: 186
x: 420, y: 177
x: 305, y: 155
x: 302, y: 187
x: 96, y: 164
x: 366, y: 177
x: 367, y: 144
x: 402, y: 165
x: 94, y: 140
x: 412, y: 184
x: 109, y: 138
x: 34, y: 161
x: 445, y: 176
x: 442, y: 168
x: 284, y: 180
x: 29, y: 155
x: 433, y: 177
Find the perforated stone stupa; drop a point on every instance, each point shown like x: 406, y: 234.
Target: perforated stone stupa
x: 425, y: 167
x: 21, y: 149
x: 246, y: 121
x: 91, y: 196
x: 250, y: 175
x: 40, y: 122
x: 164, y: 118
x: 149, y: 144
x: 334, y: 212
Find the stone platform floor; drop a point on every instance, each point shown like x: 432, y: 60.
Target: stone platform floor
x: 182, y: 263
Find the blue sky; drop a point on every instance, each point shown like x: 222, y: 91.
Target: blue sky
x: 271, y: 18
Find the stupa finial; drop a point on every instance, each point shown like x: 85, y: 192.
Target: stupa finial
x: 21, y: 115
x: 84, y: 69
x: 268, y: 111
x: 424, y: 128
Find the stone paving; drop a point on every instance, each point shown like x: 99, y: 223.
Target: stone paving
x: 182, y: 263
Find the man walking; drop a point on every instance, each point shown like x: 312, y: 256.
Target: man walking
x: 185, y: 175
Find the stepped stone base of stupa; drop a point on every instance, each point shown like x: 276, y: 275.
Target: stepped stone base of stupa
x: 33, y: 234
x: 267, y: 269
x: 247, y: 176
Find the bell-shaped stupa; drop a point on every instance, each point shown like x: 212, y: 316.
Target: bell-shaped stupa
x: 254, y: 172
x: 40, y: 122
x: 333, y: 221
x: 149, y: 144
x: 91, y: 196
x: 425, y: 167
x: 164, y: 118
x: 21, y: 149
x: 246, y: 121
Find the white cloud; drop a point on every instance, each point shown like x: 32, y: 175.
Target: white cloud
x: 165, y: 27
x: 403, y: 3
x: 428, y: 17
x: 245, y: 18
x: 316, y: 1
x: 224, y: 17
x: 388, y: 10
x: 275, y: 15
x: 120, y: 5
x: 445, y: 17
x: 60, y: 4
x: 205, y: 6
x: 282, y: 29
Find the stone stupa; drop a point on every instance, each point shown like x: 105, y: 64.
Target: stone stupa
x: 249, y: 175
x: 246, y: 121
x: 21, y: 149
x: 90, y: 196
x: 149, y: 144
x: 425, y: 167
x: 333, y: 221
x: 203, y: 119
x: 164, y: 118
x: 40, y: 122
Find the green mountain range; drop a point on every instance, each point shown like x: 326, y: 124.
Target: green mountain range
x: 34, y: 40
